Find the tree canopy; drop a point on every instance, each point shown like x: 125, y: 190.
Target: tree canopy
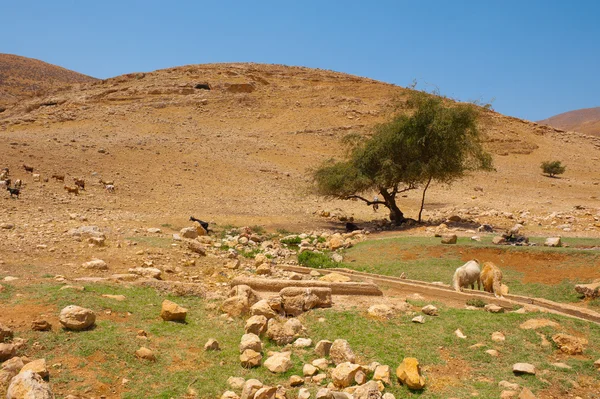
x: 432, y: 139
x: 553, y: 168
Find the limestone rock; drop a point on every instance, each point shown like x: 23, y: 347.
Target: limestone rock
x: 296, y: 300
x: 250, y: 341
x: 7, y: 351
x: 409, y: 374
x: 460, y: 334
x: 212, y: 345
x: 430, y: 310
x: 303, y: 393
x: 498, y: 337
x: 38, y: 366
x: 523, y: 368
x: 236, y: 306
x: 244, y: 291
x: 29, y: 385
x: 148, y: 272
x: 263, y: 270
x: 498, y: 240
x: 449, y: 239
x: 196, y: 247
x: 419, y: 319
x: 283, y: 333
x: 553, y: 242
x: 256, y: 325
x: 382, y: 312
x: 344, y: 373
x: 382, y: 373
x: 188, y: 232
x: 76, y: 318
x: 508, y: 385
x: 262, y: 308
x: 236, y: 382
x: 172, y: 312
x: 526, y: 394
x: 589, y: 290
x: 265, y: 393
x: 370, y: 390
x: 250, y: 358
x: 229, y: 395
x: 341, y: 352
x: 569, y: 344
x: 492, y: 352
x: 296, y: 381
x: 492, y: 308
x: 322, y: 348
x: 308, y: 370
x: 597, y: 364
x: 302, y: 343
x: 279, y: 362
x: 146, y: 354
x: 250, y: 388
x: 321, y: 364
x: 95, y: 264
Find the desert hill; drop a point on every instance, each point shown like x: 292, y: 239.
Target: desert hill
x: 234, y: 143
x: 582, y: 120
x: 22, y: 77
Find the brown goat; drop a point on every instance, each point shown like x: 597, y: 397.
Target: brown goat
x: 28, y: 168
x: 72, y: 190
x: 58, y: 177
x: 491, y: 279
x: 79, y: 183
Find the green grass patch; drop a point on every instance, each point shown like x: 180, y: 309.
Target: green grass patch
x: 316, y: 260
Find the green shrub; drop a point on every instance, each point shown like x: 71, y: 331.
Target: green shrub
x: 316, y: 260
x: 553, y: 168
x: 291, y: 240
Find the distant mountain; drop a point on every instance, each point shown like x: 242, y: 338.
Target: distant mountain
x: 585, y: 120
x: 22, y: 77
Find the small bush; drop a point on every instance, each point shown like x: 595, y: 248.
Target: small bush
x: 478, y: 303
x: 291, y: 240
x: 316, y: 260
x: 553, y: 168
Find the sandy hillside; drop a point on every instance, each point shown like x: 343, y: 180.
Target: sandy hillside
x: 582, y: 120
x: 233, y: 143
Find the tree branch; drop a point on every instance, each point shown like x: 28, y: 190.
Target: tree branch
x: 364, y: 199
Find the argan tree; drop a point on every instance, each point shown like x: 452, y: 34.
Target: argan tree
x: 430, y: 140
x: 552, y: 168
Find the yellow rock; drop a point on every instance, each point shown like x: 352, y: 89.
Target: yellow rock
x: 408, y: 373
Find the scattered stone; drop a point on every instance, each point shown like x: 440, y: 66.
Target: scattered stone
x: 296, y: 381
x: 256, y: 325
x: 250, y: 388
x: 146, y: 354
x: 419, y: 319
x: 382, y: 373
x: 498, y: 240
x: 95, y: 264
x: 321, y: 364
x: 263, y: 270
x: 279, y: 362
x: 553, y: 242
x: 340, y: 352
x: 563, y: 366
x: 212, y: 345
x: 323, y: 393
x: 229, y: 395
x: 492, y: 308
x: 303, y: 393
x: 76, y: 318
x: 569, y: 344
x: 498, y: 337
x: 6, y: 333
x: 283, y: 333
x: 344, y: 373
x: 449, y: 239
x: 266, y: 393
x: 533, y: 324
x: 233, y: 264
x: 188, y: 232
x: 7, y: 226
x: 369, y: 390
x: 172, y: 312
x: 460, y: 334
x: 38, y: 366
x: 492, y: 352
x: 250, y: 358
x: 262, y: 308
x: 29, y: 385
x: 148, y: 272
x: 523, y: 368
x: 196, y: 247
x: 308, y: 370
x: 250, y: 341
x: 526, y: 394
x: 430, y: 310
x: 382, y: 312
x: 236, y: 306
x: 409, y: 374
x: 7, y: 351
x: 303, y: 343
x: 154, y: 230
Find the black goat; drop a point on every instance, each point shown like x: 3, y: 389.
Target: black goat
x: 13, y: 191
x: 202, y: 223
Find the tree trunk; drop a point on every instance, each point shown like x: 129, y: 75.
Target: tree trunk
x: 396, y: 215
x: 423, y: 198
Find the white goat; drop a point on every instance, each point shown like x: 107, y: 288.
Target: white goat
x: 467, y: 275
x: 110, y: 188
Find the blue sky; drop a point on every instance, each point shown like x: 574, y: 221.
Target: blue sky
x: 533, y: 59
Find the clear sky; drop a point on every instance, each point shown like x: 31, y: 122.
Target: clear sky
x: 532, y: 58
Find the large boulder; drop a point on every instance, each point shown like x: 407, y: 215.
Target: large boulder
x: 28, y: 385
x: 341, y: 352
x: 250, y: 358
x: 172, y: 312
x: 76, y: 318
x: 279, y: 362
x: 409, y: 374
x: 38, y: 366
